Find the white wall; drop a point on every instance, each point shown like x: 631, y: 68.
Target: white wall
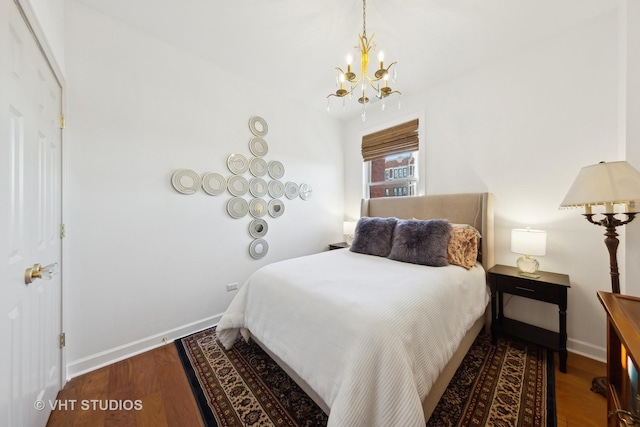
x: 521, y: 128
x: 630, y: 128
x: 146, y: 262
x: 49, y: 15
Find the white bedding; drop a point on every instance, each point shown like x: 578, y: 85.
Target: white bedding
x: 368, y: 334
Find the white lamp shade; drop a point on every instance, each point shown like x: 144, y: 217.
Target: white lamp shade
x: 605, y: 184
x: 528, y: 242
x: 349, y: 228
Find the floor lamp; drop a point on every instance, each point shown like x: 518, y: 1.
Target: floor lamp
x: 607, y: 184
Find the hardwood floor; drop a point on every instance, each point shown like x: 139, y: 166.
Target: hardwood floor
x: 576, y: 404
x: 157, y: 379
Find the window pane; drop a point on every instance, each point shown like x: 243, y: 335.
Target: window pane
x: 394, y: 175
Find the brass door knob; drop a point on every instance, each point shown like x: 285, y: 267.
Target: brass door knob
x: 39, y: 272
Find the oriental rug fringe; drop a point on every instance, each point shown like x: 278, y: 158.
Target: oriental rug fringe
x: 508, y: 384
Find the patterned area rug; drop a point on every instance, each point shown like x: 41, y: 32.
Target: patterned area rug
x: 509, y: 384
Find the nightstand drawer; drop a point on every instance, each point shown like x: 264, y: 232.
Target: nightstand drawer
x: 529, y: 288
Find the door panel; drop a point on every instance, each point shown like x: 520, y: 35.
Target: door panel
x: 30, y: 216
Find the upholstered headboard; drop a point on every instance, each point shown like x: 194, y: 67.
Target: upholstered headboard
x: 475, y: 209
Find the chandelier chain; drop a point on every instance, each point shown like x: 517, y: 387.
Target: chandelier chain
x: 364, y: 18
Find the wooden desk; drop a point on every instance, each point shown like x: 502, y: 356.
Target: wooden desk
x: 623, y: 353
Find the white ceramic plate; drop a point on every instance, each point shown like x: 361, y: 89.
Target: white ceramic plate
x: 258, y: 126
x: 258, y: 208
x: 185, y: 181
x: 237, y: 164
x: 291, y: 190
x: 257, y: 167
x: 237, y: 207
x: 258, y: 248
x: 258, y: 187
x: 276, y: 169
x: 238, y: 185
x: 305, y: 191
x: 258, y: 146
x: 258, y: 228
x: 276, y: 208
x: 276, y: 189
x: 213, y: 183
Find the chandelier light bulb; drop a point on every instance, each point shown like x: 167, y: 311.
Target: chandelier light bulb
x: 349, y: 59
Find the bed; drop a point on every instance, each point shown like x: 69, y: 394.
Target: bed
x: 362, y: 334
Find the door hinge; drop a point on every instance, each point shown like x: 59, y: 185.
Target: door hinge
x: 63, y: 340
x: 63, y: 231
x: 63, y: 122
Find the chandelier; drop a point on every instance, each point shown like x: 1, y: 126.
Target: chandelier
x: 359, y: 84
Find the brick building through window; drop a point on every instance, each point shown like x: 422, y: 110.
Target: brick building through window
x: 393, y: 175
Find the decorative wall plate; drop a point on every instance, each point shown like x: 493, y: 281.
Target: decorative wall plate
x: 237, y: 207
x: 258, y: 126
x: 238, y: 185
x: 257, y: 167
x: 213, y: 183
x: 276, y: 189
x: 305, y: 191
x: 291, y: 190
x: 237, y: 164
x: 258, y: 187
x: 185, y: 181
x: 276, y: 208
x: 258, y: 248
x: 258, y: 208
x: 276, y: 169
x: 258, y: 146
x: 258, y: 228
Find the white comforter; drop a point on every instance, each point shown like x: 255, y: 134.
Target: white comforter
x: 368, y: 334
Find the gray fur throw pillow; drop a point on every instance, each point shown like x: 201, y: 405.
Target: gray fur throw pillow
x: 421, y: 242
x: 373, y: 236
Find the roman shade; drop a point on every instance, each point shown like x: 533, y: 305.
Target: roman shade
x: 397, y: 139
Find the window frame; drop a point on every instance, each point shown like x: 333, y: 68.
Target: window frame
x: 419, y: 165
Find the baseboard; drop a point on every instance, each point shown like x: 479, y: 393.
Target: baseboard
x: 107, y: 357
x: 587, y: 350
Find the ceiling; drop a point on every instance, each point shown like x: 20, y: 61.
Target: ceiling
x: 293, y: 46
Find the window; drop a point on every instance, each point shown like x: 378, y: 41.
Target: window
x: 392, y: 157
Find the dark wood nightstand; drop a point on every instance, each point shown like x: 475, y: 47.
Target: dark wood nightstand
x: 341, y: 245
x: 550, y: 287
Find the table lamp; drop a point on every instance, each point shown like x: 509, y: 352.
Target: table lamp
x: 528, y: 242
x: 349, y: 229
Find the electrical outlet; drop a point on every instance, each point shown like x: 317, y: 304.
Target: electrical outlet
x: 232, y: 286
